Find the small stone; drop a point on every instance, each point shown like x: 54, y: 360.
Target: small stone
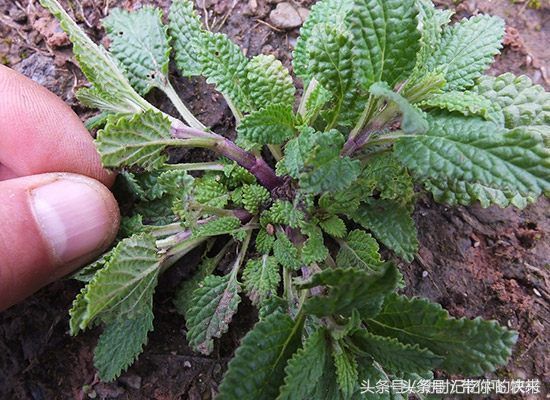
x: 186, y: 364
x: 131, y: 380
x: 285, y: 16
x: 18, y: 15
x: 424, y: 274
x: 537, y: 292
x: 304, y: 13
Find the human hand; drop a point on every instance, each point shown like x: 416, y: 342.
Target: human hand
x: 55, y: 212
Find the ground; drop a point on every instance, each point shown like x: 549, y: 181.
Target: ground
x: 488, y: 262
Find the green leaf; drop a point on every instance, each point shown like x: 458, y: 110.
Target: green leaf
x: 285, y: 252
x: 139, y: 140
x: 314, y: 249
x: 371, y: 375
x: 360, y: 251
x: 305, y: 369
x: 215, y: 302
x: 184, y: 295
x: 391, y: 223
x: 97, y: 65
x: 264, y: 241
x: 141, y: 186
x: 327, y: 387
x: 331, y: 63
x: 521, y: 101
x: 78, y: 311
x: 334, y: 226
x: 224, y: 65
x: 124, y: 287
x: 314, y: 159
x: 475, y: 151
x: 217, y: 227
x: 284, y: 213
x: 87, y: 273
x: 424, y: 87
x: 335, y: 175
x: 274, y: 124
x: 393, y: 355
x: 188, y: 37
x: 131, y: 225
x: 386, y: 176
x: 97, y: 121
x: 158, y: 184
x: 330, y: 52
x: 432, y: 21
x: 315, y: 102
x: 386, y: 40
x: 93, y: 98
x: 237, y: 175
x: 157, y: 212
x: 470, y: 347
x: 269, y: 82
x: 254, y: 196
x: 121, y: 343
x: 261, y: 279
x: 175, y: 182
x: 414, y: 122
x: 210, y: 191
x: 350, y: 289
x: 466, y: 103
x: 139, y: 42
x: 257, y: 370
x: 346, y: 370
x: 466, y: 50
x: 455, y: 192
x: 330, y: 12
x: 342, y: 202
x: 346, y: 327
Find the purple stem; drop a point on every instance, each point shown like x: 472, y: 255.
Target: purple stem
x: 243, y: 215
x: 255, y: 165
x: 355, y: 143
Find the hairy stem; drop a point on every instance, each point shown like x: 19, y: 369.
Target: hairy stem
x: 287, y: 285
x: 243, y: 215
x: 386, y: 139
x: 236, y: 112
x: 254, y: 164
x: 166, y: 230
x: 421, y: 89
x: 200, y: 166
x: 169, y: 90
x: 307, y: 94
x: 178, y: 251
x: 359, y: 140
x: 276, y: 151
x: 240, y: 256
x: 365, y: 116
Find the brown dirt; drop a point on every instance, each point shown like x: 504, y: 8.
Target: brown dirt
x: 488, y: 262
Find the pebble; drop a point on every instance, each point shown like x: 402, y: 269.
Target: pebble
x: 285, y: 16
x: 131, y: 380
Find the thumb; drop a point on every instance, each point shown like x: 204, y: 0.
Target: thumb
x: 51, y: 224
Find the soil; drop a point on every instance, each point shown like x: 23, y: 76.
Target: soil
x: 488, y: 262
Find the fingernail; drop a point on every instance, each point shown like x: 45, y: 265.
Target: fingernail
x: 73, y: 217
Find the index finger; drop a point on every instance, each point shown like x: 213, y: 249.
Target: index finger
x: 39, y: 133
